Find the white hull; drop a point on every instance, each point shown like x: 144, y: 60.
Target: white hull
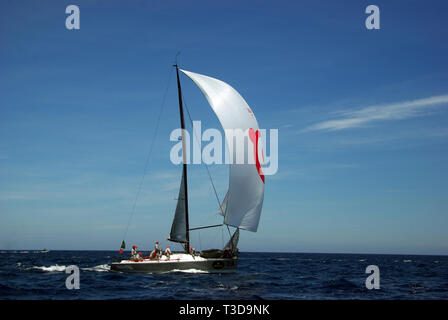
x: 177, y: 262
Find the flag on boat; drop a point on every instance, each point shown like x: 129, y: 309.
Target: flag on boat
x: 123, y: 246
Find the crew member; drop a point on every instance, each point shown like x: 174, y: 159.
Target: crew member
x: 168, y: 252
x: 134, y: 253
x: 157, y: 250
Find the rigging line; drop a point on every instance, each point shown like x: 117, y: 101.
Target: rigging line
x: 206, y: 227
x: 206, y: 166
x: 149, y: 153
x: 228, y: 229
x: 222, y: 237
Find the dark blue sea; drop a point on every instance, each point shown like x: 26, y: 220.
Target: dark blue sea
x: 35, y: 275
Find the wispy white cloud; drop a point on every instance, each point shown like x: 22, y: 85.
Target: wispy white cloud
x: 383, y: 112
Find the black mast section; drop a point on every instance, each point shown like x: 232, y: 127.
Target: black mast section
x: 182, y: 125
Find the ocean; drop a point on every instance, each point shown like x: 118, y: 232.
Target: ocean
x: 272, y: 276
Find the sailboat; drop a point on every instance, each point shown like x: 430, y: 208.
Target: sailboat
x: 242, y: 205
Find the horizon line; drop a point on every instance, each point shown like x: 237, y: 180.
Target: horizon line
x: 295, y: 252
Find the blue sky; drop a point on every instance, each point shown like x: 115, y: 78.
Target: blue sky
x: 362, y: 118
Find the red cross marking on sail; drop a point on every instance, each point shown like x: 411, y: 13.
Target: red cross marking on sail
x: 254, y: 136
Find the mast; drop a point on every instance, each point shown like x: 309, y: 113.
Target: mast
x: 184, y: 156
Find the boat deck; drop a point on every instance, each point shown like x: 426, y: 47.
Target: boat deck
x: 177, y: 262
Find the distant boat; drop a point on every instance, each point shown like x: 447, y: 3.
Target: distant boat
x: 45, y: 251
x: 241, y: 207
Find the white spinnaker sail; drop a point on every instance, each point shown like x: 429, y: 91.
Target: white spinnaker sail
x: 246, y: 182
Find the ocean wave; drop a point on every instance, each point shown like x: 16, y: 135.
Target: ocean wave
x: 5, y: 290
x: 189, y: 271
x: 341, y: 284
x: 39, y: 276
x: 54, y: 268
x: 99, y: 268
x: 221, y: 286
